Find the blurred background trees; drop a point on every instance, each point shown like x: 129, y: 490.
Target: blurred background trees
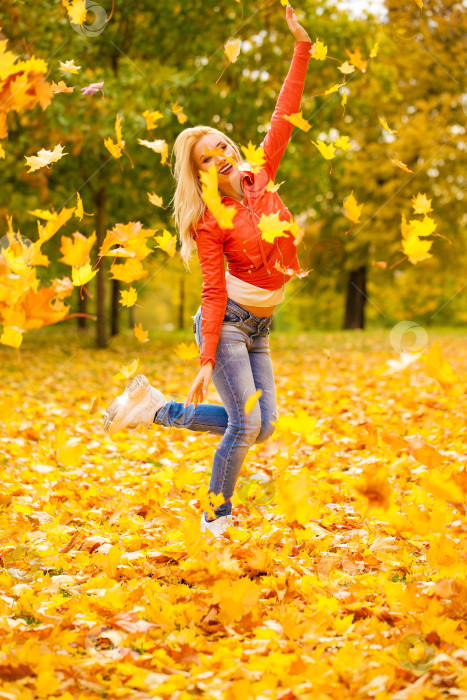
x: 152, y: 56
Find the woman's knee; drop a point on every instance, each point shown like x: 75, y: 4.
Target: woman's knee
x: 247, y: 430
x: 266, y: 431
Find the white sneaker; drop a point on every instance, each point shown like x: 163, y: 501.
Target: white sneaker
x: 136, y: 406
x: 218, y: 526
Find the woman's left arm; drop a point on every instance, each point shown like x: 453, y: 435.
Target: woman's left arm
x: 289, y: 98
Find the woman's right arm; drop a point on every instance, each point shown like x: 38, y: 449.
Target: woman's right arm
x: 210, y: 246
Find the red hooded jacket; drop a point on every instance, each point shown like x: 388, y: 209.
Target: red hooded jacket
x: 248, y: 256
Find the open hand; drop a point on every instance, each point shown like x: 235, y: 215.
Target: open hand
x: 199, y: 387
x: 296, y: 28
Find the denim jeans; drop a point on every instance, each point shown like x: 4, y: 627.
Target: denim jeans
x: 243, y: 365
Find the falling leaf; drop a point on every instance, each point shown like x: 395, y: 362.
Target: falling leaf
x: 290, y: 271
x: 251, y: 401
x: 151, y: 118
x: 254, y: 156
x: 272, y: 227
x: 167, y: 242
x: 374, y: 50
x: 156, y: 200
x: 333, y: 88
x: 76, y: 252
x: 384, y: 124
x: 356, y: 59
x: 11, y: 336
x: 416, y: 249
x: 297, y: 120
x: 422, y: 228
x: 69, y: 67
x: 187, y: 352
x: 327, y: 150
x: 158, y: 146
x: 93, y: 88
x: 421, y: 204
x: 178, y: 111
x: 320, y: 52
x: 346, y: 68
x: 44, y: 157
x: 223, y: 214
x: 232, y: 50
x: 141, y: 335
x: 61, y: 86
x: 126, y: 370
x: 343, y: 142
x: 401, y: 165
x: 82, y: 275
x: 352, y: 209
x: 129, y: 297
x: 438, y: 368
x: 271, y: 187
x: 129, y: 271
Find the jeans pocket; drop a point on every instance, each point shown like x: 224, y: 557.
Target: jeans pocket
x: 197, y: 328
x: 231, y: 317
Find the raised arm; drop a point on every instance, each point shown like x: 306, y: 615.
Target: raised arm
x: 289, y: 98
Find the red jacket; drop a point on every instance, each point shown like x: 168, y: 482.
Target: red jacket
x: 248, y: 256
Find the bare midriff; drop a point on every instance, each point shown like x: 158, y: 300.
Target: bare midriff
x: 261, y: 311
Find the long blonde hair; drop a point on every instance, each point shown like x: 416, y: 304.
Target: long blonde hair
x: 188, y: 205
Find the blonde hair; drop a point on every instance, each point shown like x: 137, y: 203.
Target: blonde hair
x: 188, y: 205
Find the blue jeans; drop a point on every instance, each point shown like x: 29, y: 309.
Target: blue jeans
x: 243, y: 365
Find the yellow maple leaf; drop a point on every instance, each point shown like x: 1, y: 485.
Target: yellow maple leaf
x: 82, y: 275
x: 187, y: 352
x: 141, y: 335
x: 55, y: 222
x: 156, y: 200
x: 251, y: 401
x: 69, y: 67
x: 346, y: 68
x: 11, y: 336
x: 320, y: 52
x: 344, y: 99
x: 421, y: 204
x: 384, y: 124
x: 223, y: 214
x: 416, y: 249
x: 272, y: 227
x: 151, y: 118
x: 328, y: 151
x: 2, y: 151
x: 297, y: 120
x: 129, y: 296
x: 352, y: 209
x: 158, y: 146
x: 406, y: 228
x: 356, y: 59
x: 254, y: 156
x: 129, y: 271
x: 343, y: 142
x: 68, y: 451
x: 77, y: 11
x: 232, y: 50
x: 423, y: 228
x: 76, y: 251
x: 167, y: 242
x: 44, y: 157
x: 126, y: 370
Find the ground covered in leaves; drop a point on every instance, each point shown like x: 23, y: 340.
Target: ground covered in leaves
x: 343, y: 577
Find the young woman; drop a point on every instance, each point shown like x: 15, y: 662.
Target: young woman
x: 232, y: 324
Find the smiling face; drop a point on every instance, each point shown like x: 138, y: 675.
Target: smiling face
x: 228, y: 175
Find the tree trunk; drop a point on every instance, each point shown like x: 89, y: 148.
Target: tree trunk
x: 131, y: 317
x: 115, y: 320
x: 101, y: 228
x: 82, y: 309
x: 356, y: 298
x: 181, y: 305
